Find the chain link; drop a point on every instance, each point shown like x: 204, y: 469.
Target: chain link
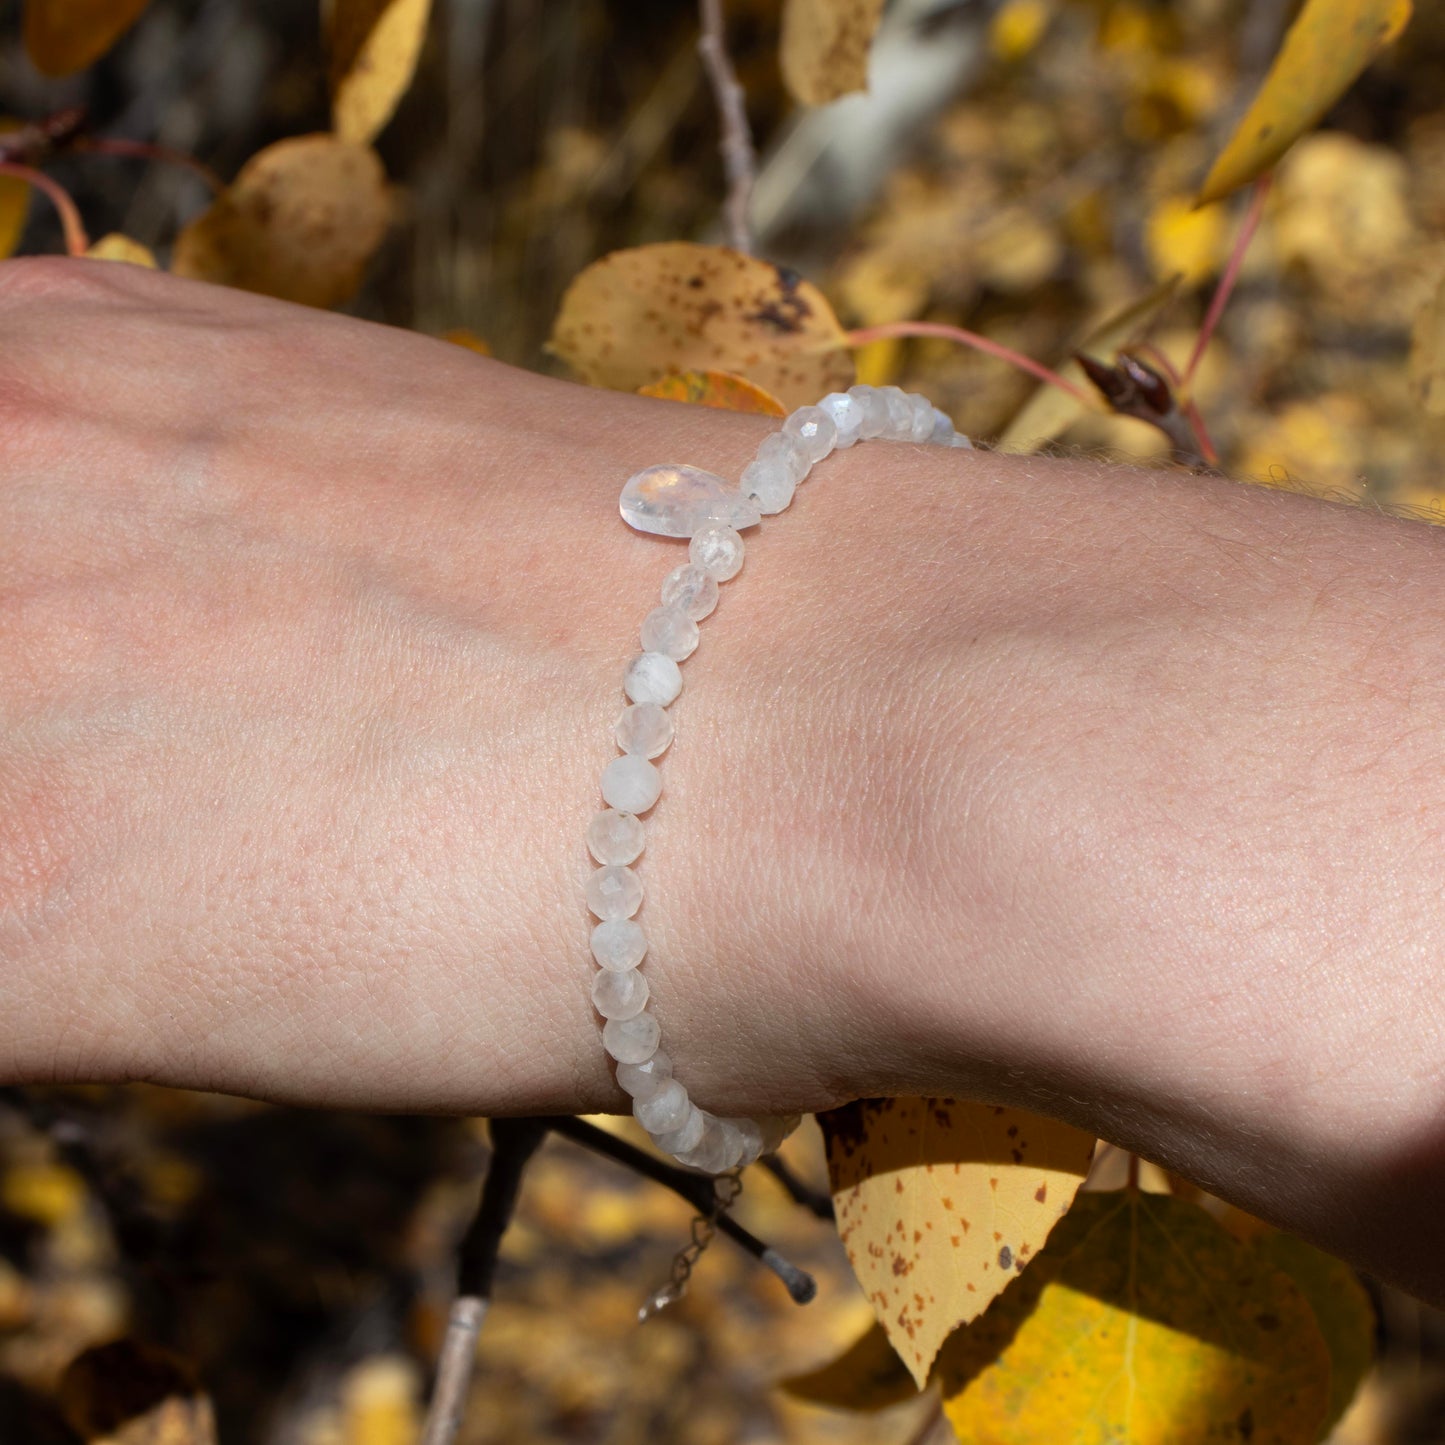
x: 726, y: 1188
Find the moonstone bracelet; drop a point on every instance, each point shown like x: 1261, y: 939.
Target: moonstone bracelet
x: 685, y: 501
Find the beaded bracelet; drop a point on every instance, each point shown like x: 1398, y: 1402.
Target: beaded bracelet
x: 684, y: 501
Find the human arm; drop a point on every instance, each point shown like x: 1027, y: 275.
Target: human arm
x: 1108, y: 793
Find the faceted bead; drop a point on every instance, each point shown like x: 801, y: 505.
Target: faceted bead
x: 642, y: 1079
x: 674, y: 501
x: 717, y: 1151
x: 632, y: 1041
x: 614, y: 837
x: 813, y: 430
x: 644, y: 729
x: 942, y: 432
x: 875, y: 410
x: 687, y: 1135
x: 631, y: 784
x: 959, y: 440
x: 619, y: 995
x: 664, y: 1109
x: 922, y: 417
x: 750, y: 1132
x: 900, y: 413
x: 788, y: 452
x: 670, y: 632
x: 691, y: 589
x: 651, y: 677
x: 614, y: 892
x: 847, y: 413
x: 619, y: 944
x: 776, y: 1130
x: 718, y: 550
x: 770, y: 484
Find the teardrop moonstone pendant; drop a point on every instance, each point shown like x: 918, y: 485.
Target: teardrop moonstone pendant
x: 676, y: 500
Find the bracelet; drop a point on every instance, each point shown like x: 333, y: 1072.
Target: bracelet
x: 676, y: 500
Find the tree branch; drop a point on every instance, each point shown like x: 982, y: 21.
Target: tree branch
x: 736, y: 143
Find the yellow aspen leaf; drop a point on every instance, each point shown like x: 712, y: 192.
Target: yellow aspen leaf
x: 116, y: 247
x: 300, y: 222
x: 63, y: 36
x: 722, y: 390
x: 941, y: 1203
x: 1143, y: 1322
x: 824, y: 47
x: 128, y: 1393
x: 868, y: 1375
x: 1329, y: 44
x: 14, y: 203
x: 638, y: 315
x: 1049, y: 412
x: 1017, y: 27
x: 49, y: 1194
x: 379, y: 1402
x: 463, y: 336
x: 374, y: 46
x: 1185, y: 241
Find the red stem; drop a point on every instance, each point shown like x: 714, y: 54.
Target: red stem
x: 77, y: 243
x: 144, y: 150
x: 1223, y: 291
x: 901, y: 329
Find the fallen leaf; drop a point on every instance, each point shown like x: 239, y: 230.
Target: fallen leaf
x: 941, y: 1203
x: 116, y: 247
x: 1143, y: 1322
x: 300, y: 222
x: 638, y: 315
x: 824, y: 47
x: 1049, y: 411
x: 721, y: 390
x: 1329, y: 44
x: 1184, y: 240
x: 129, y: 1393
x: 462, y: 336
x: 374, y: 46
x: 868, y: 1375
x: 63, y: 36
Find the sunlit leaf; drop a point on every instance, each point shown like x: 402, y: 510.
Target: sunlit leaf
x: 129, y: 1393
x: 1143, y: 1322
x: 868, y: 1375
x: 116, y: 247
x: 1049, y: 411
x: 941, y: 1203
x: 825, y: 45
x: 62, y: 36
x: 374, y: 46
x: 1329, y: 44
x: 641, y: 314
x: 300, y: 222
x: 719, y: 389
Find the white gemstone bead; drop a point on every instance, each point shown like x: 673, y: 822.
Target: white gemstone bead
x: 752, y: 1136
x: 900, y: 413
x: 813, y: 430
x: 674, y: 501
x: 664, y: 1110
x: 644, y: 729
x: 614, y: 892
x: 619, y: 944
x: 670, y: 632
x: 614, y: 837
x: 651, y: 677
x: 718, y: 1150
x: 776, y: 1130
x: 768, y: 483
x: 691, y: 589
x: 959, y: 440
x: 847, y: 413
x: 631, y: 784
x: 642, y: 1079
x: 922, y: 417
x: 631, y: 1041
x: 788, y: 452
x: 875, y: 410
x: 718, y: 550
x: 619, y: 995
x: 942, y: 433
x: 686, y: 1136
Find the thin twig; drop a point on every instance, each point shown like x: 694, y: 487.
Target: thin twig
x: 77, y: 243
x: 697, y: 1189
x: 1231, y: 274
x: 736, y: 142
x: 799, y: 1191
x: 146, y: 151
x: 514, y: 1141
x: 1186, y: 404
x: 936, y: 329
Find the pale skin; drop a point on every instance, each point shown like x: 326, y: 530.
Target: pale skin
x: 1111, y: 794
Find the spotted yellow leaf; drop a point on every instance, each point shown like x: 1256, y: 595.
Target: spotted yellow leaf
x: 1142, y: 1322
x: 824, y: 47
x: 639, y: 315
x: 1329, y: 44
x: 941, y: 1203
